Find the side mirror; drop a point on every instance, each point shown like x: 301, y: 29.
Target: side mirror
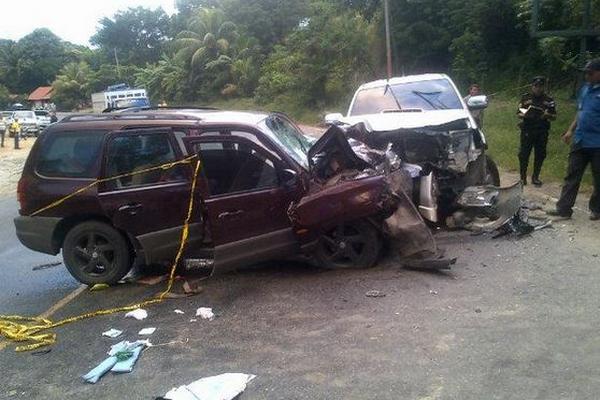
x: 333, y: 118
x: 288, y: 177
x: 477, y: 102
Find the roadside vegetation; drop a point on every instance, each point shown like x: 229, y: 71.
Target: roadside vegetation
x: 306, y: 57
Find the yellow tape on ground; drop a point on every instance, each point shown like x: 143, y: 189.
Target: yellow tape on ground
x: 34, y: 330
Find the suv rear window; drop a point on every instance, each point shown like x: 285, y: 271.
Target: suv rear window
x: 131, y: 153
x: 70, y: 155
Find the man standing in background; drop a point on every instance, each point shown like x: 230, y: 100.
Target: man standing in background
x: 536, y: 109
x: 475, y: 90
x: 585, y: 134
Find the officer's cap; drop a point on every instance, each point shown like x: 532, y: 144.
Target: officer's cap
x: 592, y: 65
x: 538, y: 81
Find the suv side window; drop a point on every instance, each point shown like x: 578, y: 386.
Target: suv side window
x: 70, y: 154
x: 131, y: 153
x: 232, y: 167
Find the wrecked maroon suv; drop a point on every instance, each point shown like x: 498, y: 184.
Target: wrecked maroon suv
x: 264, y: 192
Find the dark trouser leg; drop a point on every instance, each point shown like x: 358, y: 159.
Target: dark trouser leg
x: 2, y: 138
x: 578, y: 160
x: 595, y: 161
x: 540, y: 144
x: 524, y: 152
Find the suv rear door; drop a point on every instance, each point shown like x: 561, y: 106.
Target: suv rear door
x: 245, y: 201
x: 149, y: 206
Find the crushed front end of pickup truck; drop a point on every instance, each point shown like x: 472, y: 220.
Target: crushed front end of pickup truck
x: 454, y: 183
x: 351, y: 181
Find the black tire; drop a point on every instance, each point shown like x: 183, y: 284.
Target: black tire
x: 95, y: 252
x: 351, y: 245
x: 492, y: 176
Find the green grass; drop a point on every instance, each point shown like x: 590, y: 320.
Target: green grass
x: 502, y: 133
x: 500, y: 126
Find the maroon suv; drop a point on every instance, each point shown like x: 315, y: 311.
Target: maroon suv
x: 264, y: 192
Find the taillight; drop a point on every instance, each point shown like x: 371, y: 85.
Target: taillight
x: 21, y: 191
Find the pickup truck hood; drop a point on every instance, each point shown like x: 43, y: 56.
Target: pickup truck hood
x: 406, y: 120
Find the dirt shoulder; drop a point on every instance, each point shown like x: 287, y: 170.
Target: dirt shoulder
x: 11, y: 164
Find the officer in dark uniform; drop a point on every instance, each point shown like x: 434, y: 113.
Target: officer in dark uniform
x: 536, y: 110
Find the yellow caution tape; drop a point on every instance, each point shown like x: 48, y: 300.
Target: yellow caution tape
x: 17, y: 328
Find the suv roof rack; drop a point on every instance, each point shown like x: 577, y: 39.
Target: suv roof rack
x: 155, y: 108
x: 123, y: 116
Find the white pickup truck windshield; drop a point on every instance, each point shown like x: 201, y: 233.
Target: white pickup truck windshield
x: 436, y: 94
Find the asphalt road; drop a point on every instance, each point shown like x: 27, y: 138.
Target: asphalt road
x: 23, y: 290
x: 516, y: 318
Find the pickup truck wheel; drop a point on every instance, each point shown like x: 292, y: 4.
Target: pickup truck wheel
x: 94, y: 252
x: 492, y: 175
x: 350, y: 245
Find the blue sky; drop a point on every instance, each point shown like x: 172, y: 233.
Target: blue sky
x: 72, y: 20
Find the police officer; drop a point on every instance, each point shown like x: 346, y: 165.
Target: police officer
x: 536, y: 110
x: 584, y: 132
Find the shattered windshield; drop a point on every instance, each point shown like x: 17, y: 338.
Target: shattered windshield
x: 288, y: 137
x: 436, y: 94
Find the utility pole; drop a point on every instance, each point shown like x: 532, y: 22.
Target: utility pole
x: 387, y: 39
x: 117, y: 61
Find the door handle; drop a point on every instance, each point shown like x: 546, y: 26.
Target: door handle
x: 131, y: 208
x: 229, y: 214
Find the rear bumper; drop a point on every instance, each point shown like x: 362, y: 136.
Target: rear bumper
x: 36, y: 233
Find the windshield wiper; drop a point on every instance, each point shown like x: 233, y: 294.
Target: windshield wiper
x: 423, y: 95
x: 388, y: 86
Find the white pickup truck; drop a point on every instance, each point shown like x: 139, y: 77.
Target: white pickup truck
x: 425, y: 121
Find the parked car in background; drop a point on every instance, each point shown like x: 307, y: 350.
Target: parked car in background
x: 43, y: 118
x: 264, y: 192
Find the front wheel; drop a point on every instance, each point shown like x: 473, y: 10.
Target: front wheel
x: 95, y: 252
x: 350, y: 245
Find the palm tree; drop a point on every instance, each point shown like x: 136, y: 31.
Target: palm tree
x: 72, y: 85
x: 208, y: 38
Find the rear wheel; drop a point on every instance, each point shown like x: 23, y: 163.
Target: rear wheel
x: 348, y: 246
x: 95, y: 252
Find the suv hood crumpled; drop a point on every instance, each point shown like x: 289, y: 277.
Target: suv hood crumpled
x: 349, y: 181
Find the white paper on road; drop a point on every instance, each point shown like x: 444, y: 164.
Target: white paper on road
x: 219, y: 387
x: 112, y: 333
x: 138, y: 314
x: 178, y: 312
x: 205, y: 313
x: 147, y: 331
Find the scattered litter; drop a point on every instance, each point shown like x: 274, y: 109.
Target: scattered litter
x: 434, y: 292
x: 98, y: 287
x: 41, y: 352
x: 122, y: 358
x: 221, y: 387
x: 146, y: 331
x: 193, y: 320
x: 192, y: 287
x: 12, y: 393
x: 46, y: 266
x: 571, y: 239
x: 478, y: 310
x: 375, y: 293
x: 151, y: 280
x: 178, y: 312
x: 205, y: 313
x: 112, y: 333
x: 138, y: 313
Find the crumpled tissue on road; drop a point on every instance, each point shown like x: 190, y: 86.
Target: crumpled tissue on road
x: 220, y: 387
x: 122, y: 358
x: 205, y: 313
x: 138, y: 313
x: 112, y: 333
